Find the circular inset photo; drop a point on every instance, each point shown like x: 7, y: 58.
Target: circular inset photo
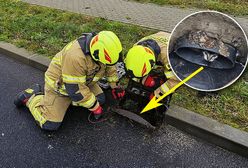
x: 213, y: 40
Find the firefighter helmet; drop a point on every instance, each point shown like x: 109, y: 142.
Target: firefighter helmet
x: 139, y: 61
x: 106, y: 47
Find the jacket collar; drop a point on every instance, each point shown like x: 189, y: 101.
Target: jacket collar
x: 84, y: 42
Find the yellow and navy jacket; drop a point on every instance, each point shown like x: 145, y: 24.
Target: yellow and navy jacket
x: 72, y: 70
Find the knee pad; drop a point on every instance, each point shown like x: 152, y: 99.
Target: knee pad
x: 101, y: 98
x: 72, y: 90
x: 51, y: 126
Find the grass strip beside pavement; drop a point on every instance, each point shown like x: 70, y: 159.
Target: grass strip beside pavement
x: 46, y: 31
x: 234, y: 7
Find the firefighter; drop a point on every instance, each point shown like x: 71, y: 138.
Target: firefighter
x: 71, y: 78
x: 148, y: 54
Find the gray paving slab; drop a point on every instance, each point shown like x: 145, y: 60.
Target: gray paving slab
x: 115, y: 143
x: 147, y: 15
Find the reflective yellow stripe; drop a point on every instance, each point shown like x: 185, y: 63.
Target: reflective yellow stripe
x: 88, y: 103
x: 62, y: 91
x: 30, y: 91
x: 95, y: 79
x: 68, y: 46
x: 168, y: 67
x: 35, y: 102
x: 156, y: 38
x: 73, y: 79
x: 136, y: 79
x: 38, y: 117
x: 112, y: 79
x: 169, y: 74
x: 30, y: 100
x: 56, y: 60
x: 50, y: 82
x: 164, y: 88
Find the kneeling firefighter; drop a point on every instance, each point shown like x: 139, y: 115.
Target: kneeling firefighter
x: 72, y: 78
x: 147, y: 65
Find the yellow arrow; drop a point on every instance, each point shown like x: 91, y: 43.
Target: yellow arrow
x: 154, y: 102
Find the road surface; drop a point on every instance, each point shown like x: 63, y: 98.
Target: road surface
x: 115, y: 143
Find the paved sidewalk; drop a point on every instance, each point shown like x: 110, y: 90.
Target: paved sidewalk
x: 147, y: 15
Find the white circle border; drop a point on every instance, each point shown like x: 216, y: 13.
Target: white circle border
x: 207, y: 11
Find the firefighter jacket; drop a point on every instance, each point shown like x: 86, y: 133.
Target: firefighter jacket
x: 162, y: 60
x: 72, y: 70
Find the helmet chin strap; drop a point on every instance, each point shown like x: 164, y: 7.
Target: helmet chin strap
x: 153, y: 45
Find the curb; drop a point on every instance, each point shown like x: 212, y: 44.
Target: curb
x: 208, y: 129
x: 37, y: 61
x: 200, y: 126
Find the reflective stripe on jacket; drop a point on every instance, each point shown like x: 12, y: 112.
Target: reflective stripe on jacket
x: 71, y: 72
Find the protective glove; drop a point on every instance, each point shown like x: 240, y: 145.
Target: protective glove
x: 152, y: 81
x: 97, y: 111
x: 118, y: 93
x: 149, y: 81
x: 157, y: 93
x: 151, y: 96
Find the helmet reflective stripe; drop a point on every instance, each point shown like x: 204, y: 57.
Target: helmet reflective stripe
x: 148, y: 50
x: 94, y: 40
x: 107, y: 57
x: 144, y: 69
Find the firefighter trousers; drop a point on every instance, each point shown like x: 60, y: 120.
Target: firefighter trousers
x: 49, y: 109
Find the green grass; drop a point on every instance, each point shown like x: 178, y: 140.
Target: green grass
x: 230, y: 106
x: 46, y: 31
x: 234, y: 7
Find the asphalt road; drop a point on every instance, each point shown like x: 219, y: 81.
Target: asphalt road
x: 115, y: 143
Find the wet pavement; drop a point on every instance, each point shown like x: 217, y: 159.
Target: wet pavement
x: 117, y: 142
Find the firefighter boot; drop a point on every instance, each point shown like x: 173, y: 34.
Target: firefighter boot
x: 22, y: 97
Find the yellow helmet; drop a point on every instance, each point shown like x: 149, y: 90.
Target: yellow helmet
x: 105, y: 47
x: 139, y: 61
